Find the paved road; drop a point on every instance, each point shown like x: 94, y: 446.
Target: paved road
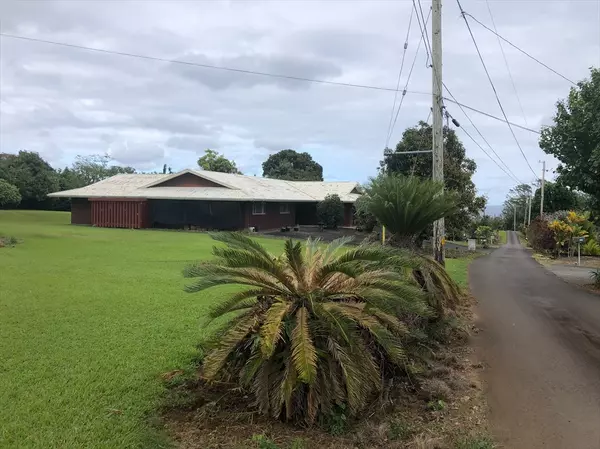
x: 540, y: 342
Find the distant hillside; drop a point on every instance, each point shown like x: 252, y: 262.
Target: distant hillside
x: 493, y: 210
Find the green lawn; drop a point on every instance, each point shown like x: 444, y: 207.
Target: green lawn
x: 458, y: 269
x: 89, y: 319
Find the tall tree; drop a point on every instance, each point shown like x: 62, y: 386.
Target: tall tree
x: 213, y: 161
x: 516, y: 199
x: 458, y: 172
x: 556, y: 197
x: 32, y: 175
x: 95, y: 168
x: 575, y: 135
x: 292, y: 166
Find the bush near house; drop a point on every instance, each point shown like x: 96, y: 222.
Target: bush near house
x: 330, y: 211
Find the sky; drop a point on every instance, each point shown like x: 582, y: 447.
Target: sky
x: 63, y: 102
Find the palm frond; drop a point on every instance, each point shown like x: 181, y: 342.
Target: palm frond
x: 304, y: 353
x: 295, y: 261
x: 215, y: 359
x: 270, y: 330
x: 231, y: 303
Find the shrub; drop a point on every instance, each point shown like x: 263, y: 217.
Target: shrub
x: 484, y: 235
x: 9, y: 194
x: 540, y: 237
x: 591, y: 248
x: 363, y: 218
x: 315, y: 328
x: 407, y: 205
x: 330, y: 211
x: 595, y: 275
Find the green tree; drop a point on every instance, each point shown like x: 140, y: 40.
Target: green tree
x: 330, y: 211
x: 213, y: 161
x: 573, y: 138
x: 315, y: 328
x: 517, y: 198
x: 9, y: 194
x: 32, y: 175
x: 292, y: 166
x: 458, y: 172
x: 406, y: 205
x: 556, y: 197
x: 95, y: 168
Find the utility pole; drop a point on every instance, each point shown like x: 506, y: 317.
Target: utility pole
x: 515, y: 217
x: 525, y: 212
x: 438, y: 124
x: 542, y: 188
x: 530, y: 202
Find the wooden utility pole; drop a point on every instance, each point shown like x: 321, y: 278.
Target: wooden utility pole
x: 542, y: 188
x: 438, y: 123
x: 529, y: 217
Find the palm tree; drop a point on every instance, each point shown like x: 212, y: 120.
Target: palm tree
x: 406, y: 205
x: 312, y: 328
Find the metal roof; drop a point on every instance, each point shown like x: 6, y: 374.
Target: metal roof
x: 235, y: 188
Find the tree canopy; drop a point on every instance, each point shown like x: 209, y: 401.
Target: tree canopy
x: 556, y: 197
x: 292, y: 166
x: 458, y: 172
x: 31, y: 174
x: 9, y: 194
x: 95, y: 168
x: 214, y: 161
x: 517, y: 198
x: 574, y: 136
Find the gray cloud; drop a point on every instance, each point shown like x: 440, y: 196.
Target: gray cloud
x: 64, y: 101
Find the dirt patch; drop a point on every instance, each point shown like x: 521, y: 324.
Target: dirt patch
x: 435, y: 406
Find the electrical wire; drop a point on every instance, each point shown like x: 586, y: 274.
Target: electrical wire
x: 406, y: 86
x: 506, y: 170
x: 206, y: 66
x: 487, y: 2
x: 389, y: 131
x: 519, y: 49
x: 494, y: 89
x: 251, y: 72
x: 424, y: 30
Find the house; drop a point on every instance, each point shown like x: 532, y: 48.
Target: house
x: 203, y: 199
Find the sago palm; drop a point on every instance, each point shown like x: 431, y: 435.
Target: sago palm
x: 312, y: 328
x: 406, y: 205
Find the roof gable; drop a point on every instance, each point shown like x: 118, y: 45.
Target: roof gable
x: 187, y: 178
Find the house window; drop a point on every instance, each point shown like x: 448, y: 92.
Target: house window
x: 284, y: 208
x: 258, y: 208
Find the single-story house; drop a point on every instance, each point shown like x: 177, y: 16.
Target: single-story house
x: 203, y: 199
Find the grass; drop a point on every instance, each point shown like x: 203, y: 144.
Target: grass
x: 502, y: 237
x: 458, y: 269
x: 89, y: 320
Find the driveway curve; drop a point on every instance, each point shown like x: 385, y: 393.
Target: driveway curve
x: 540, y: 342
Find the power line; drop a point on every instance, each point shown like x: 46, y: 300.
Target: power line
x: 494, y: 88
x: 508, y: 171
x: 424, y: 32
x: 506, y: 62
x: 479, y: 111
x: 389, y: 131
x: 207, y: 66
x: 251, y: 72
x: 406, y: 85
x: 519, y: 49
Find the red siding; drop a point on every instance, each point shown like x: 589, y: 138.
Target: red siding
x: 188, y: 180
x: 272, y: 219
x: 81, y: 211
x: 119, y: 214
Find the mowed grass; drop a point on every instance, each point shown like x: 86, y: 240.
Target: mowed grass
x: 89, y: 320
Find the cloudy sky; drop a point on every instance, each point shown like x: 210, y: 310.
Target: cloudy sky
x: 64, y: 101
